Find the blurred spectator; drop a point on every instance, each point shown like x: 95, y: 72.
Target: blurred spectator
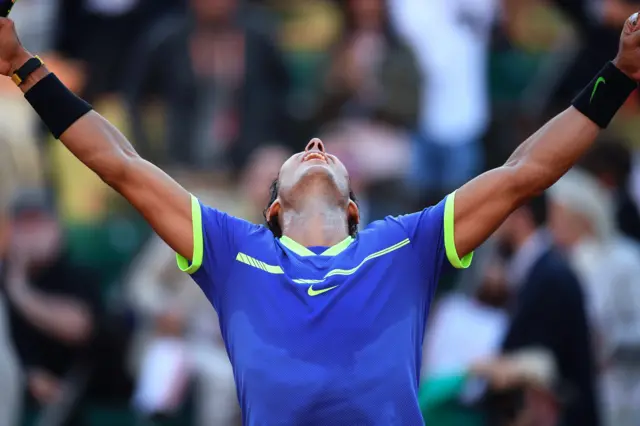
x: 583, y: 223
x: 56, y: 318
x: 35, y: 22
x: 451, y: 39
x: 10, y: 378
x: 307, y: 31
x: 464, y: 329
x: 530, y: 373
x: 611, y: 163
x: 465, y: 332
x: 373, y: 73
x: 444, y: 398
x: 222, y: 83
x: 99, y: 34
x: 549, y: 310
x: 370, y: 105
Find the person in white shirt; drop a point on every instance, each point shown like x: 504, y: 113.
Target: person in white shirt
x: 451, y: 40
x: 583, y: 223
x: 10, y: 371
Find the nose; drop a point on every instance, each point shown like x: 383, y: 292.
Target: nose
x: 315, y: 144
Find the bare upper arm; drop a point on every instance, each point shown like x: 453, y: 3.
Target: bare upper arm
x: 164, y: 203
x: 481, y: 206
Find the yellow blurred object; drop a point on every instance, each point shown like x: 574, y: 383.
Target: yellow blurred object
x: 535, y: 27
x: 19, y: 142
x: 314, y: 25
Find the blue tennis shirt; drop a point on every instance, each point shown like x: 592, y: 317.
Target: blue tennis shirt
x: 324, y: 335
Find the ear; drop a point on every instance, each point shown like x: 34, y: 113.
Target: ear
x: 273, y: 210
x: 353, y: 213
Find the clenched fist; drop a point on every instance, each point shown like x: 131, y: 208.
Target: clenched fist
x: 12, y: 54
x: 628, y: 58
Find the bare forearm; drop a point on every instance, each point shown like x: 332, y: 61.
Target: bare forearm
x: 485, y: 202
x: 93, y: 140
x: 550, y: 152
x: 62, y: 318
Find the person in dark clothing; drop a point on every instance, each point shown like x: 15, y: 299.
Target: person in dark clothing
x: 549, y: 310
x: 611, y: 163
x: 373, y: 73
x: 224, y: 91
x: 56, y: 317
x: 100, y: 34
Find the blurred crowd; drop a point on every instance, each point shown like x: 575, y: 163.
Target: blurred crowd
x: 98, y: 326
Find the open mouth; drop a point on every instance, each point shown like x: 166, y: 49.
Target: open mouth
x: 315, y: 156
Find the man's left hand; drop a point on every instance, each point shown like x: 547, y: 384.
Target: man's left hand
x: 628, y: 58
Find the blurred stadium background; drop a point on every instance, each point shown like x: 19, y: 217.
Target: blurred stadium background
x: 98, y: 327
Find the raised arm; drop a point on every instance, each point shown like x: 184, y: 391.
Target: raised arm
x: 101, y: 147
x: 484, y: 203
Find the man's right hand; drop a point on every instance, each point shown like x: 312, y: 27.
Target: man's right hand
x: 12, y: 54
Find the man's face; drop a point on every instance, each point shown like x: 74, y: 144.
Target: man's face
x: 314, y: 172
x: 313, y: 166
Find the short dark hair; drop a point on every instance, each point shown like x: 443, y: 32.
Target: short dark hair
x: 274, y: 226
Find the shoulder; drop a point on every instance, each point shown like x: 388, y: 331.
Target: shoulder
x: 389, y: 226
x: 430, y: 231
x: 429, y: 217
x: 212, y: 217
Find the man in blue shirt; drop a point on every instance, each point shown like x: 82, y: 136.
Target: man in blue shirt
x: 324, y: 325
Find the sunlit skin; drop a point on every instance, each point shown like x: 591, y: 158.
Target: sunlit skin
x: 313, y: 205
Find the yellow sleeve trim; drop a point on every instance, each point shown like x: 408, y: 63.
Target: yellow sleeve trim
x: 449, y: 240
x: 198, y: 241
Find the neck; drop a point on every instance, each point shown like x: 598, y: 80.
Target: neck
x: 316, y: 223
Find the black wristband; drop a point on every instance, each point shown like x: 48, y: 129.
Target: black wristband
x: 56, y: 105
x: 603, y: 97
